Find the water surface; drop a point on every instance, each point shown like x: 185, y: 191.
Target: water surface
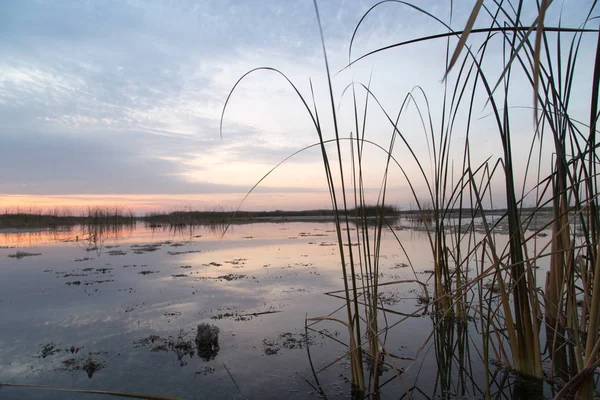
x: 118, y: 309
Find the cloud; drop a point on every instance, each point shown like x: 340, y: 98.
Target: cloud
x: 126, y: 96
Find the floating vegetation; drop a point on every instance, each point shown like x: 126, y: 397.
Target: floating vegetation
x: 308, y: 234
x: 89, y: 364
x: 117, y: 253
x: 176, y: 253
x: 236, y: 261
x: 22, y: 254
x: 205, y: 343
x: 72, y: 275
x: 52, y: 349
x: 145, y: 248
x: 288, y: 341
x: 389, y: 298
x: 82, y: 259
x: 326, y: 244
x: 231, y: 277
x: 181, y: 345
x: 135, y: 266
x: 237, y: 315
x: 49, y: 349
x: 172, y: 314
x: 206, y: 370
x: 88, y: 283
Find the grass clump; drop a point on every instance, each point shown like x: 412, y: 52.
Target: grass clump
x: 22, y: 254
x: 63, y: 217
x: 207, y: 341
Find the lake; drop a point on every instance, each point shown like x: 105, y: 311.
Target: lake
x: 118, y: 310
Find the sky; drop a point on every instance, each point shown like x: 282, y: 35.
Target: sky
x: 119, y: 102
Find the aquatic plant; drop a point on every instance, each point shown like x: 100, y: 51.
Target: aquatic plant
x: 477, y: 279
x: 22, y: 254
x: 207, y: 341
x: 61, y: 217
x: 513, y: 311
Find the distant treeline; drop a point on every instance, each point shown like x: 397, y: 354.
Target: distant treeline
x: 119, y: 215
x: 199, y: 217
x: 221, y: 216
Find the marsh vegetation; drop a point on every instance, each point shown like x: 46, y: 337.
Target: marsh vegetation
x: 541, y: 325
x: 461, y: 299
x: 60, y: 217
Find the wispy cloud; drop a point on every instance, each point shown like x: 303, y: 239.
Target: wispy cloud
x: 126, y: 96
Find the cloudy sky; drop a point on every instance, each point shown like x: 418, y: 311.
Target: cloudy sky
x: 119, y: 102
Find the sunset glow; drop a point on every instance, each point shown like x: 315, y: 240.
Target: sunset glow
x: 91, y: 114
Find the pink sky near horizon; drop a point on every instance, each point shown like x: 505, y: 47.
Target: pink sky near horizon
x: 142, y: 203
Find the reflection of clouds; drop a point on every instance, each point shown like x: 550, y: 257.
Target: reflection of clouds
x: 83, y: 320
x: 280, y: 258
x: 18, y: 368
x: 274, y: 265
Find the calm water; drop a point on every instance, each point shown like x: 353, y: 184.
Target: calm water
x: 118, y: 310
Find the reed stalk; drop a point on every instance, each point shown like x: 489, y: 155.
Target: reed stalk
x: 513, y: 317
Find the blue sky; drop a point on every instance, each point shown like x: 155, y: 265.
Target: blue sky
x: 119, y: 101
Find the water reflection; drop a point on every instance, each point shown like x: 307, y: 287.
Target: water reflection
x: 96, y: 237
x: 89, y: 236
x: 173, y: 301
x: 461, y: 372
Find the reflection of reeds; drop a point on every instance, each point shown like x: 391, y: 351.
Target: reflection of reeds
x: 510, y: 312
x: 108, y: 216
x: 94, y: 236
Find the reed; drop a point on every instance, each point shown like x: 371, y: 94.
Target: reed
x: 548, y: 57
x: 485, y: 258
x: 571, y: 188
x: 60, y: 217
x: 513, y: 311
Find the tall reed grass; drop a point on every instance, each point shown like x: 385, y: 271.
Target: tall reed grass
x: 521, y: 324
x: 63, y: 216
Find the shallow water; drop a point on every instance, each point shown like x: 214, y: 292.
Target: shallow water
x: 117, y: 310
